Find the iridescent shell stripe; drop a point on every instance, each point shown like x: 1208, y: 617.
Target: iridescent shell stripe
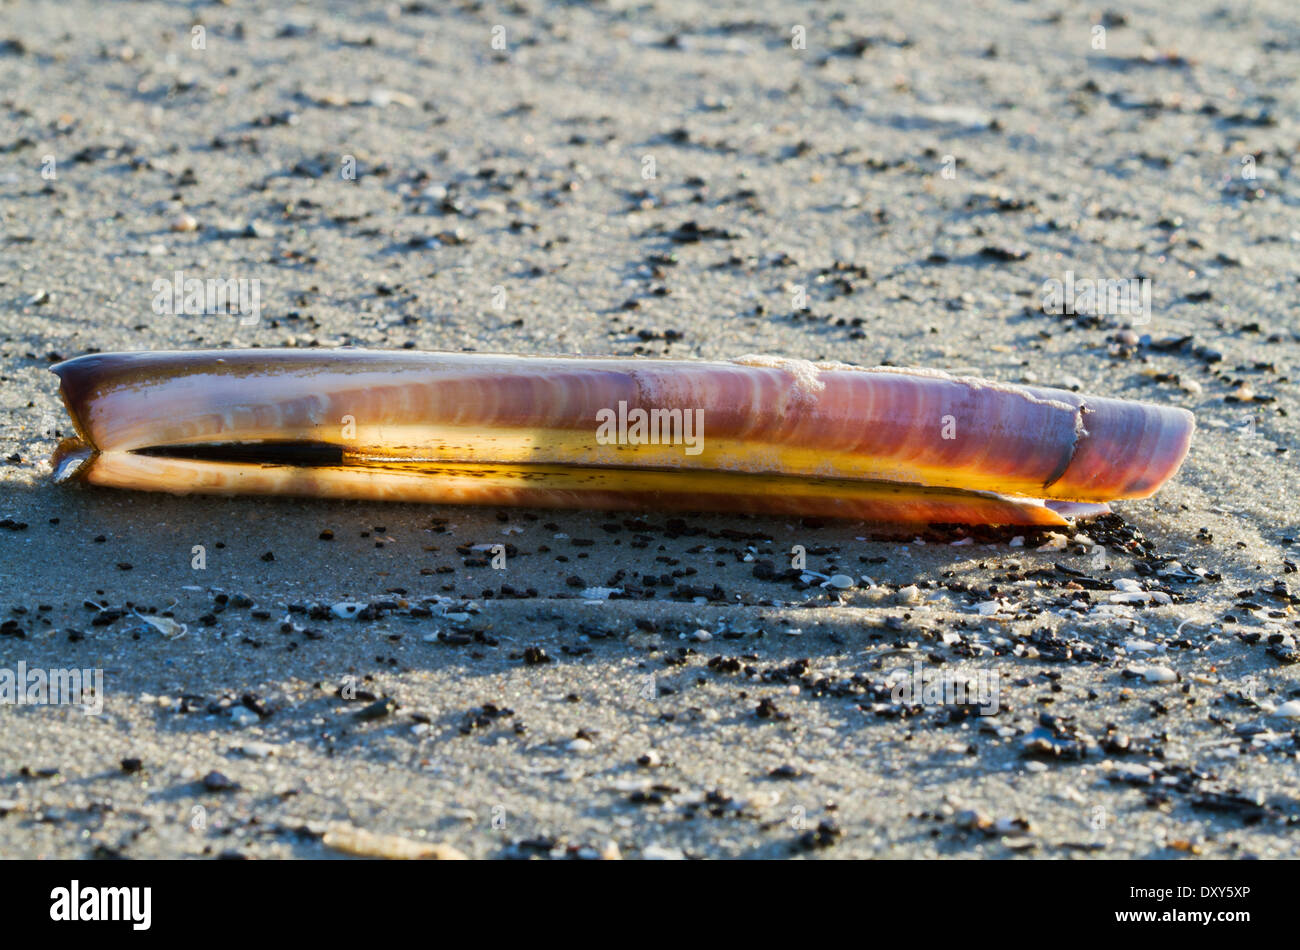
x: 599, y: 489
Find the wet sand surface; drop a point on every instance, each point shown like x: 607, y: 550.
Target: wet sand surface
x: 657, y: 179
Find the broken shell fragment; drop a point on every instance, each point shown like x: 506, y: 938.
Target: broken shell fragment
x: 759, y: 434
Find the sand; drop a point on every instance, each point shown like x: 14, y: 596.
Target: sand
x: 657, y: 179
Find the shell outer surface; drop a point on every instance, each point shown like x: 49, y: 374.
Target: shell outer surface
x: 760, y: 434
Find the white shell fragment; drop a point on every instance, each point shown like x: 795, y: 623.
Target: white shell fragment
x: 368, y: 844
x: 1288, y: 710
x: 1152, y: 674
x: 169, y: 628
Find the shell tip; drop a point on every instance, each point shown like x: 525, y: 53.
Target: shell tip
x: 71, y: 459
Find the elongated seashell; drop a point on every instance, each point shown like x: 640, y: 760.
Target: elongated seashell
x: 759, y: 434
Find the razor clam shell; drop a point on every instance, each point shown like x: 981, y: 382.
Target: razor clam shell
x: 761, y: 415
x: 779, y: 436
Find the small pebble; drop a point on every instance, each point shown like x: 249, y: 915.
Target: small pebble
x: 255, y: 750
x: 1288, y: 710
x: 376, y: 710
x: 1152, y: 674
x: 242, y: 716
x: 217, y: 782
